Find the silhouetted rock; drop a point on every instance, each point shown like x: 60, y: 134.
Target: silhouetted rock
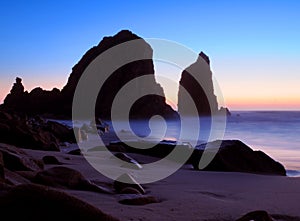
x: 33, y: 132
x: 34, y: 203
x: 161, y: 149
x: 57, y: 103
x: 62, y: 132
x: 225, y: 111
x: 235, y: 156
x: 64, y: 177
x: 259, y: 215
x: 197, y: 81
x: 38, y: 101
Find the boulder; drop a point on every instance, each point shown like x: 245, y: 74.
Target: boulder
x: 15, y: 159
x: 67, y: 178
x: 34, y: 203
x: 259, y: 215
x: 159, y: 150
x: 235, y: 156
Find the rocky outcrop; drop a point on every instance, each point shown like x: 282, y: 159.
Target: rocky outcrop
x: 235, y: 156
x: 197, y: 81
x: 59, y: 103
x: 33, y: 133
x: 38, y: 101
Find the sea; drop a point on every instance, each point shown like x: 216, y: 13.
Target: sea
x: 277, y: 133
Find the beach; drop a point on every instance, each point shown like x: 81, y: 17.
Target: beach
x: 193, y: 195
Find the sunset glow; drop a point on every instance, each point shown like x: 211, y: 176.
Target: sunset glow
x: 255, y: 59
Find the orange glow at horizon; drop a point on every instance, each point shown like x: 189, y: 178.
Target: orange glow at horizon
x: 263, y: 103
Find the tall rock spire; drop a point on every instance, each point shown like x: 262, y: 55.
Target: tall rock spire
x: 197, y: 82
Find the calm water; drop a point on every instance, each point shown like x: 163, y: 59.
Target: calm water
x: 277, y: 133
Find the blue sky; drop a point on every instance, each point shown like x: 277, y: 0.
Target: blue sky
x: 254, y: 46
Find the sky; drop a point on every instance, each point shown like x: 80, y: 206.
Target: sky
x: 253, y: 46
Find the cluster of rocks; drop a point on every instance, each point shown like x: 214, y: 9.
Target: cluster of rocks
x: 26, y: 179
x: 196, y: 80
x: 33, y: 132
x: 26, y: 187
x: 231, y: 156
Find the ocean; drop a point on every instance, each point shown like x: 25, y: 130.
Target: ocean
x: 277, y: 133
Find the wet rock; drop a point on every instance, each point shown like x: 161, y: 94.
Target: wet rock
x: 34, y: 203
x: 126, y: 180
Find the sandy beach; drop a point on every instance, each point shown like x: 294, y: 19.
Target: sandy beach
x: 192, y: 195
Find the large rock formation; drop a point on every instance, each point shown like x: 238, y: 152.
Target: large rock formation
x: 197, y: 81
x: 235, y: 156
x: 56, y: 102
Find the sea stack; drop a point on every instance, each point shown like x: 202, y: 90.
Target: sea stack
x: 197, y: 82
x: 59, y: 103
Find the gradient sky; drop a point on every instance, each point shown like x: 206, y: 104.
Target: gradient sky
x: 253, y: 46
